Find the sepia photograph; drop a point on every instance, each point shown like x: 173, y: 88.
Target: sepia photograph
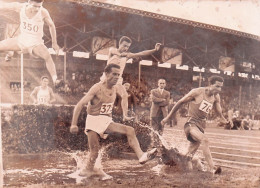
x: 129, y: 93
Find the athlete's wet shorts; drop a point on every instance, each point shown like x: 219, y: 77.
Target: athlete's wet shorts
x: 98, y: 124
x: 188, y: 125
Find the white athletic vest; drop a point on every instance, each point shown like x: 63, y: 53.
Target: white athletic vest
x: 43, y: 96
x: 121, y: 61
x: 31, y: 29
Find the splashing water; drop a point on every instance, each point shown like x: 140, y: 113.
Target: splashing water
x: 180, y: 144
x: 163, y: 141
x: 157, y: 169
x: 81, y: 158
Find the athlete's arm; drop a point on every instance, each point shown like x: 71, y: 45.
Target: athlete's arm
x: 187, y: 98
x: 11, y: 6
x: 143, y: 53
x: 88, y: 97
x: 219, y: 109
x: 47, y: 19
x: 34, y: 94
x: 52, y: 97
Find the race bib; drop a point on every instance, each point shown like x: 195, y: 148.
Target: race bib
x: 106, y: 108
x: 205, y: 106
x: 30, y: 27
x: 42, y: 100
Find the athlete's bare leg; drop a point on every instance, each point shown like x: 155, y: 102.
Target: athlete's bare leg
x: 198, y: 136
x: 131, y: 137
x: 93, y: 142
x: 10, y: 44
x: 43, y: 52
x: 193, y: 147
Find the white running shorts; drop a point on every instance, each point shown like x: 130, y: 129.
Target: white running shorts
x: 98, y: 124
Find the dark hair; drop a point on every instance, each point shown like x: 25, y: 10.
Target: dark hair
x: 125, y: 38
x: 161, y: 79
x: 212, y: 80
x: 109, y: 67
x: 43, y: 77
x: 37, y: 1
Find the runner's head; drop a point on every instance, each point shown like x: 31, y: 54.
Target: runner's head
x: 215, y: 84
x: 124, y: 44
x: 44, y: 81
x: 112, y: 72
x: 35, y: 5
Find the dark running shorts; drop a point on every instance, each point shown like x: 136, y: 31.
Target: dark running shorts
x: 187, y: 127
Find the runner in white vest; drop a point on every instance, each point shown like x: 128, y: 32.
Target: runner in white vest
x: 120, y: 56
x: 43, y: 94
x: 32, y: 18
x: 100, y: 99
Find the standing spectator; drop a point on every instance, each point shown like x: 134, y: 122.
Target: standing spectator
x: 131, y: 99
x: 43, y: 94
x: 131, y: 102
x: 160, y: 101
x: 236, y: 120
x: 173, y: 121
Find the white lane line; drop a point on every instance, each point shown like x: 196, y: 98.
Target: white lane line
x: 236, y: 162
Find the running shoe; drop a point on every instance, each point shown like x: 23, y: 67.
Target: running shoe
x: 8, y: 58
x: 147, y: 156
x: 218, y: 170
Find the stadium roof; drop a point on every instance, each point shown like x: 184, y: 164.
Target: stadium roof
x: 78, y: 21
x: 237, y: 15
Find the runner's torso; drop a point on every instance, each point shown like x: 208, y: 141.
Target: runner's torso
x: 31, y: 28
x: 201, y: 106
x: 103, y: 102
x: 43, y: 96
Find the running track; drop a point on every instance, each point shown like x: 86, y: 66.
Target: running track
x: 229, y: 148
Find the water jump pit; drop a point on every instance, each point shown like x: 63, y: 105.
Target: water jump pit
x: 61, y: 169
x: 40, y: 152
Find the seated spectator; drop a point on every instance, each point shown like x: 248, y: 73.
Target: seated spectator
x: 236, y: 120
x: 247, y: 123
